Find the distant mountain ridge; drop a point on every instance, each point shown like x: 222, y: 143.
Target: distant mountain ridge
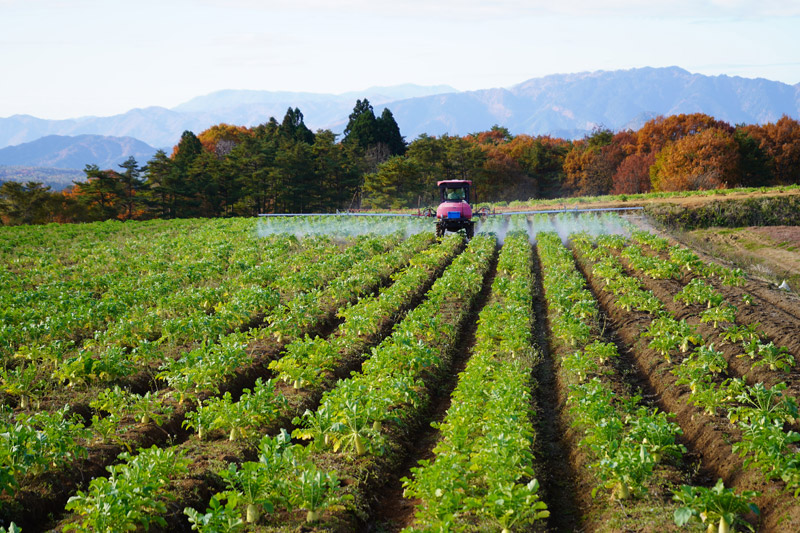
x: 571, y: 105
x: 57, y: 179
x: 64, y: 152
x: 162, y: 127
x: 563, y: 105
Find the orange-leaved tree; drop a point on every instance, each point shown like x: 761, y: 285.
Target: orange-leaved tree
x: 658, y: 132
x: 781, y: 143
x: 222, y: 138
x: 633, y: 174
x: 705, y: 160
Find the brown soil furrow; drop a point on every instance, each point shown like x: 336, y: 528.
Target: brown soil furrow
x: 709, y: 436
x: 666, y: 290
x: 553, y: 441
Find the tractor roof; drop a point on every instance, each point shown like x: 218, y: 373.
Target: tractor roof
x: 451, y: 183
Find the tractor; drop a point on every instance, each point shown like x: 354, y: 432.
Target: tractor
x: 454, y: 211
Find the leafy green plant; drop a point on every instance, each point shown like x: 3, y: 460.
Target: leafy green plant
x: 625, y: 470
x: 219, y: 517
x: 132, y: 496
x: 719, y: 313
x: 761, y: 403
x: 775, y: 357
x: 713, y: 505
x: 316, y: 426
x: 656, y: 433
x: 314, y: 491
x: 510, y: 504
x: 698, y: 291
x: 685, y: 258
x: 744, y: 333
x: 356, y: 432
x: 24, y: 382
x: 33, y: 444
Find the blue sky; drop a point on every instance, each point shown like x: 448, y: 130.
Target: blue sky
x: 61, y: 59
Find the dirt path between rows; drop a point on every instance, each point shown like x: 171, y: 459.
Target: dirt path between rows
x: 709, y: 436
x: 554, y: 469
x: 781, y: 328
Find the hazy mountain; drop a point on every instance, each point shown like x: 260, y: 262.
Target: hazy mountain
x: 63, y: 152
x: 570, y: 105
x: 235, y: 99
x: 56, y: 178
x: 564, y: 105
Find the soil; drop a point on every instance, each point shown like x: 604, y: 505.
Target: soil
x: 770, y: 251
x: 780, y: 327
x: 708, y: 436
x: 554, y: 470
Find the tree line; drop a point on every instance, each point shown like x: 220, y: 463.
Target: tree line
x: 284, y: 167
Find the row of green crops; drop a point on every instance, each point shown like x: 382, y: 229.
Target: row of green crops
x: 99, y: 284
x: 391, y: 381
x: 313, y: 359
x: 668, y: 334
x: 719, y: 313
x: 144, y: 334
x: 625, y: 438
x: 260, y: 406
x: 390, y: 390
x: 308, y: 362
x: 482, y: 473
x: 201, y: 371
x: 762, y: 414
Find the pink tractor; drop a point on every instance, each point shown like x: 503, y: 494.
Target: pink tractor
x: 455, y: 212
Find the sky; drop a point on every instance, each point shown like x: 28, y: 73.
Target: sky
x: 65, y: 59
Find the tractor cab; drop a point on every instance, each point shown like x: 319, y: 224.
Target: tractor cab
x: 454, y: 212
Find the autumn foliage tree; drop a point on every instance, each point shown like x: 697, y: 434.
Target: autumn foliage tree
x: 780, y: 141
x: 220, y: 139
x: 655, y: 134
x: 590, y: 166
x: 633, y: 174
x: 705, y: 160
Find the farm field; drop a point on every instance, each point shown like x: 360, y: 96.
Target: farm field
x: 770, y: 251
x: 553, y: 373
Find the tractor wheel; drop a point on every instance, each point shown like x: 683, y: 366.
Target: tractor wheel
x: 470, y: 231
x: 440, y: 230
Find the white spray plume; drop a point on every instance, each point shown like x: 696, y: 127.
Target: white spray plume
x: 343, y: 225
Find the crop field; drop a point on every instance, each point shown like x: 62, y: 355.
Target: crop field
x: 553, y: 373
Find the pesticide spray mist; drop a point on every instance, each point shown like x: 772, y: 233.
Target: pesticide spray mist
x: 344, y: 226
x: 565, y: 224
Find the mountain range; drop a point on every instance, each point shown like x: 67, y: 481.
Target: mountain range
x: 563, y: 105
x: 66, y: 152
